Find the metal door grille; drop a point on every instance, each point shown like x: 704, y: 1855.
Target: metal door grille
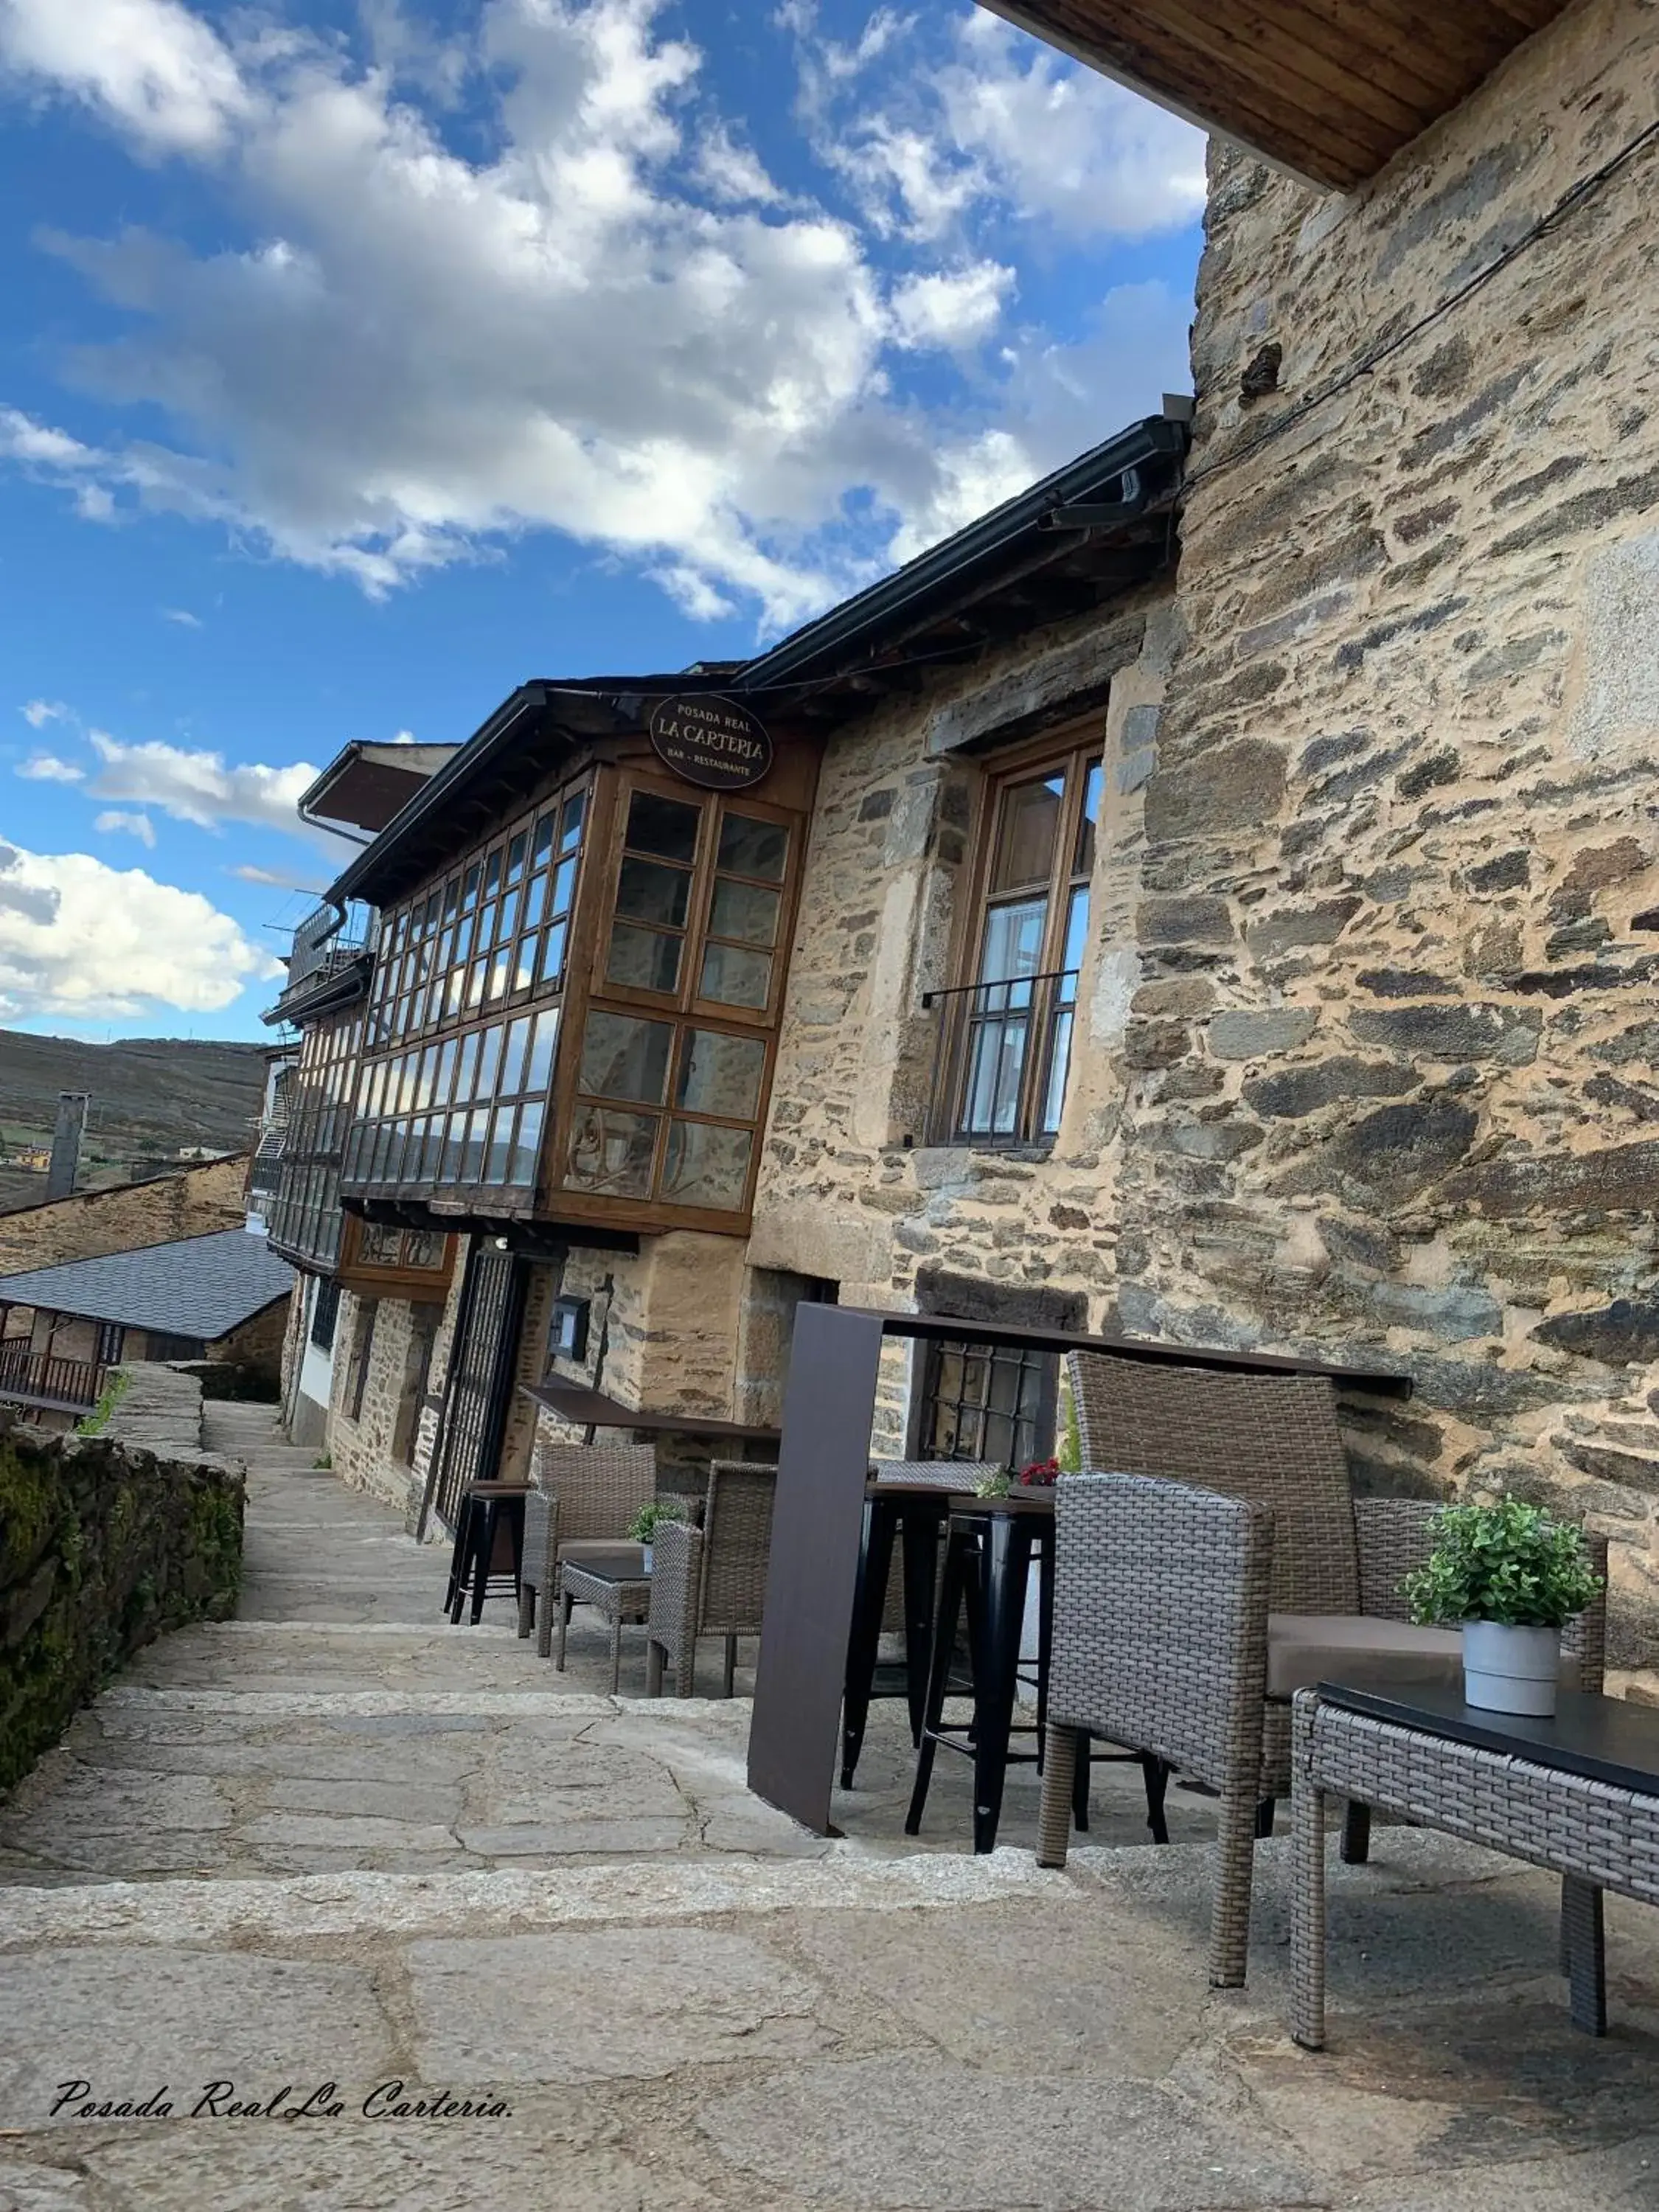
x: 477, y: 1391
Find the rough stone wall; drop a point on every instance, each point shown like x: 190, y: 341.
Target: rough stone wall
x: 85, y: 1227
x: 842, y: 1194
x: 1391, y: 1092
x: 257, y: 1345
x: 103, y: 1547
x: 376, y: 1451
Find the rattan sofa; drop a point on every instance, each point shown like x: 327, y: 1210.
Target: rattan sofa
x: 710, y: 1581
x: 1221, y: 1565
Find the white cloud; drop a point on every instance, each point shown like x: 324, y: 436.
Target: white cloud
x: 112, y: 822
x: 39, y: 712
x: 955, y: 307
x: 246, y: 873
x: 612, y: 323
x: 198, y: 787
x: 47, y: 768
x: 151, y: 65
x: 80, y: 938
x: 183, y: 616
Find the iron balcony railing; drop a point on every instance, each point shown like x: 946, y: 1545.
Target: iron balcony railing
x: 1001, y: 1059
x: 36, y: 1379
x: 323, y: 941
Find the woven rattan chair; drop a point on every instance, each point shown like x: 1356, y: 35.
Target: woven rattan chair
x: 1332, y: 1598
x: 584, y: 1497
x: 710, y: 1581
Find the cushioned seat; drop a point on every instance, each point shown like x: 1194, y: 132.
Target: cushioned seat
x: 1305, y: 1648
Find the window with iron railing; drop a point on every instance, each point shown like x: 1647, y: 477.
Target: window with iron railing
x: 1004, y: 1043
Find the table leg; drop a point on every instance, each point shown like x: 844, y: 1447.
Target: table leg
x: 1582, y: 1928
x: 938, y: 1673
x: 1307, y: 1914
x: 921, y: 1521
x: 565, y: 1603
x: 615, y: 1651
x: 1004, y: 1576
x: 484, y: 1555
x: 875, y: 1559
x: 458, y: 1562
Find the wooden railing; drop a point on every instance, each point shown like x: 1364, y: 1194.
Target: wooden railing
x: 37, y: 1379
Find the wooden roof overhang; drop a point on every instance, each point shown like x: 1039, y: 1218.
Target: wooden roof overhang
x: 1329, y: 89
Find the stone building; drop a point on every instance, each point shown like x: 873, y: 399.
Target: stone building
x: 1256, y: 952
x: 221, y: 1297
x: 159, y: 1209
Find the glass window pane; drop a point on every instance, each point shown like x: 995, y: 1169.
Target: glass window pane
x: 1013, y: 940
x: 1060, y: 1054
x: 526, y: 1145
x: 1026, y: 833
x: 489, y: 1060
x: 610, y: 1151
x: 539, y: 1072
x: 498, y: 1151
x: 564, y: 885
x: 442, y: 1090
x: 721, y: 1075
x: 552, y: 952
x: 478, y: 1124
x: 571, y: 827
x: 1077, y: 934
x: 500, y: 969
x: 464, y: 1081
x: 732, y: 978
x: 492, y: 876
x: 648, y: 892
x: 705, y: 1166
x: 644, y: 959
x: 744, y: 911
x: 750, y: 847
x: 454, y: 1144
x: 535, y: 901
x: 544, y: 842
x: 470, y: 888
x: 665, y: 826
x: 1085, y: 861
x: 518, y: 1037
x: 625, y: 1058
x: 515, y: 858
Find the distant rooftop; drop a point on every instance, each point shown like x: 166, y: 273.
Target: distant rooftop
x: 202, y: 1287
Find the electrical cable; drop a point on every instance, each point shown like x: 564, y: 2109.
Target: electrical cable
x: 1567, y: 204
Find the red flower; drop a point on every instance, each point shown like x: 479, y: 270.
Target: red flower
x: 1040, y: 1474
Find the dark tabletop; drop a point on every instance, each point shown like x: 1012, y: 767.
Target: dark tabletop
x: 621, y: 1566
x: 1604, y: 1739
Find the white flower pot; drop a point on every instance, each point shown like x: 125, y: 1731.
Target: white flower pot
x: 645, y: 1562
x: 1510, y: 1670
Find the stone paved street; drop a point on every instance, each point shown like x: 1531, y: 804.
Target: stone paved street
x: 337, y: 1841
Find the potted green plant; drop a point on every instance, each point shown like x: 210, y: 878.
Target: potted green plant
x: 1510, y: 1577
x: 646, y: 1523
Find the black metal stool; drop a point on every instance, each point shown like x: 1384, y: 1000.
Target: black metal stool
x: 488, y: 1546
x: 919, y: 1516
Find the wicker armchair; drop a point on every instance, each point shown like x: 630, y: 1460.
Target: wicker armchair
x: 583, y: 1498
x: 710, y: 1581
x: 1331, y: 1599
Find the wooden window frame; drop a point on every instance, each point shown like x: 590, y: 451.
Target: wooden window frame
x: 1072, y: 753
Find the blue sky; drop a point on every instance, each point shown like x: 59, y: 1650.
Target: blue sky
x: 365, y: 357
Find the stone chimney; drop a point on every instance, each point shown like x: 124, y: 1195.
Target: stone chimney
x: 66, y: 1143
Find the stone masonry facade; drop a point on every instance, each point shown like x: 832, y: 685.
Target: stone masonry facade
x: 162, y: 1211
x: 1389, y: 1089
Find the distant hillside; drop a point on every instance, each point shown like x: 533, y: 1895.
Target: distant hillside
x: 150, y: 1097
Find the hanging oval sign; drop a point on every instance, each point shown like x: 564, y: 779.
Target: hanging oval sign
x: 711, y: 741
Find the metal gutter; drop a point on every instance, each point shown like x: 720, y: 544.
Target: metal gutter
x: 1155, y: 438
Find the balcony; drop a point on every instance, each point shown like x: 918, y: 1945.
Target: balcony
x: 1000, y: 1060
x: 328, y: 961
x: 49, y: 1384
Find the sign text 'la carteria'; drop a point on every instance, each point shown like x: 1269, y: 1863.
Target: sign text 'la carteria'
x: 711, y: 741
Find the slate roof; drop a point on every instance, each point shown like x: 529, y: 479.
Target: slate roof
x: 201, y: 1287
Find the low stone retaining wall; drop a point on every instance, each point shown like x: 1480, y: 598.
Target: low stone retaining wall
x: 103, y: 1545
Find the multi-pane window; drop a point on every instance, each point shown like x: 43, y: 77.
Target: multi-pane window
x: 304, y: 1219
x: 986, y: 1402
x: 463, y: 1022
x: 492, y: 934
x: 672, y: 1072
x: 1009, y: 1029
x: 464, y: 1110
